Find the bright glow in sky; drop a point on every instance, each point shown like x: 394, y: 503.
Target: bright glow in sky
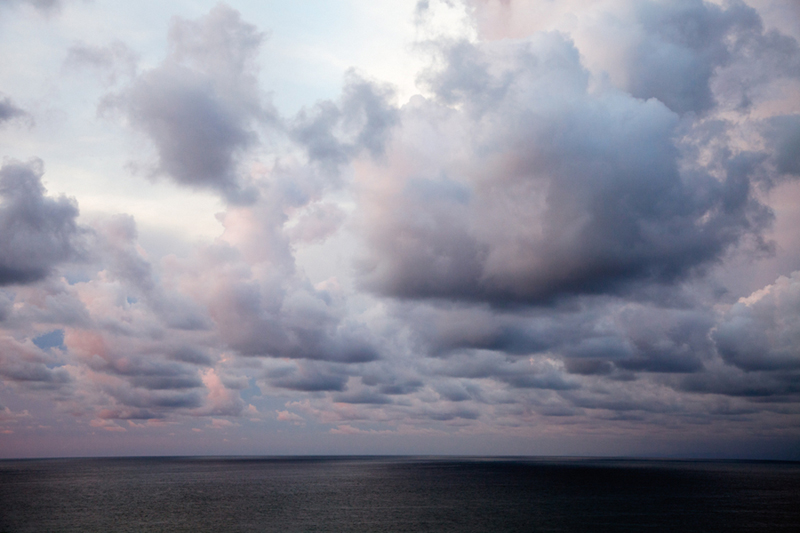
x: 436, y: 226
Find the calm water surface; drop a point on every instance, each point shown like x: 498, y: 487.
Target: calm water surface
x: 396, y: 494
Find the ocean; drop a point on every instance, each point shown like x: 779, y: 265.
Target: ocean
x: 396, y: 494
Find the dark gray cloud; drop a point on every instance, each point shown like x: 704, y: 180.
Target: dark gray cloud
x: 534, y: 188
x: 685, y: 42
x: 455, y: 391
x: 605, y: 342
x: 307, y: 378
x: 390, y: 383
x: 147, y: 371
x: 543, y: 373
x: 334, y: 132
x: 193, y: 355
x: 550, y: 380
x: 664, y: 340
x: 37, y: 232
x: 588, y: 367
x: 200, y: 107
x: 158, y: 400
x: 756, y: 386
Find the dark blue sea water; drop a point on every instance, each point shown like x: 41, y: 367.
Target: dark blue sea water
x: 396, y: 494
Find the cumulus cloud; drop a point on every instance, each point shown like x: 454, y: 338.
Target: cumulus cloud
x: 38, y: 232
x: 259, y: 313
x: 683, y: 44
x: 200, y: 107
x: 692, y: 55
x: 334, y: 132
x: 534, y: 188
x: 762, y: 331
x: 260, y: 303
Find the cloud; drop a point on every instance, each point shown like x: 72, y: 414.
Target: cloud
x: 131, y: 343
x: 683, y: 44
x: 41, y: 5
x: 115, y: 60
x: 37, y: 232
x: 692, y: 55
x: 275, y: 317
x: 549, y: 348
x: 519, y: 184
x: 762, y: 331
x: 201, y: 105
x: 122, y: 259
x: 765, y: 389
x: 221, y: 400
x: 26, y: 365
x: 317, y: 223
x: 9, y: 111
x: 362, y: 397
x: 392, y: 382
x: 261, y: 305
x: 286, y: 416
x: 541, y: 373
x: 783, y: 132
x: 362, y: 120
x: 307, y: 377
x: 541, y: 235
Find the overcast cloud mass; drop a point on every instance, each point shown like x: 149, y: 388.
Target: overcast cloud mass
x: 484, y: 227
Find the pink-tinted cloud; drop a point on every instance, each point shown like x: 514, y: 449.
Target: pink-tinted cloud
x: 550, y: 242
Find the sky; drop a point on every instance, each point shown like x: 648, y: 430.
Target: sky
x: 468, y: 227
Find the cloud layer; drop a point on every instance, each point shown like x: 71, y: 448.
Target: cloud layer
x: 545, y: 244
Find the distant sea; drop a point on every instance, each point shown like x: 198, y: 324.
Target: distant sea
x: 396, y: 494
